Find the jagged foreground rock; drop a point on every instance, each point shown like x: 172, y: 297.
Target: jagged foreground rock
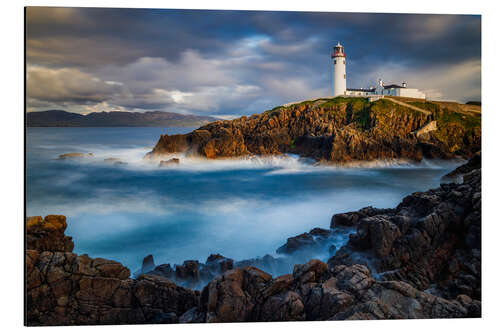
x: 67, y: 289
x: 339, y: 130
x: 431, y: 239
x: 421, y: 259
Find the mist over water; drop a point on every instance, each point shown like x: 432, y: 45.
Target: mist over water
x: 238, y: 208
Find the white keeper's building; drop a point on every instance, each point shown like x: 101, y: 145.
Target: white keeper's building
x: 339, y: 81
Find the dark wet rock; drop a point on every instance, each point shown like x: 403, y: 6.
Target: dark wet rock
x: 232, y: 296
x: 354, y: 279
x: 286, y: 306
x: 191, y: 316
x: 189, y: 271
x: 215, y: 265
x: 172, y: 161
x: 64, y: 288
x: 345, y: 219
x: 472, y: 164
x: 352, y: 218
x: 315, y: 238
x: 156, y: 294
x: 165, y: 318
x: 115, y: 161
x: 164, y: 270
x: 294, y: 243
x: 377, y: 233
x: 431, y: 238
x: 112, y: 160
x: 214, y: 258
x: 148, y: 264
x: 267, y: 263
x: 344, y: 292
x: 314, y: 271
x: 320, y: 232
x: 193, y: 274
x: 278, y: 285
x: 398, y: 300
x: 74, y: 155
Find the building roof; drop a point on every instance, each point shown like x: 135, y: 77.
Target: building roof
x: 392, y: 86
x: 361, y: 89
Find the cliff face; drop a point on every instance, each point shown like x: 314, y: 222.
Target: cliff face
x: 421, y: 259
x: 336, y: 130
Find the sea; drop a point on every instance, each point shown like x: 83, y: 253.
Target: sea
x: 240, y: 208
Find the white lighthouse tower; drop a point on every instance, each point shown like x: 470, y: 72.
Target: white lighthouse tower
x: 339, y: 74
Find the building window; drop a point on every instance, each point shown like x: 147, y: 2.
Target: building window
x: 344, y: 61
x: 335, y: 61
x: 344, y: 76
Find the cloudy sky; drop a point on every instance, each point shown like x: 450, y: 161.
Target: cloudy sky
x: 230, y: 63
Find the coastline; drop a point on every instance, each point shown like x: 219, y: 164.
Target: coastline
x: 358, y: 271
x: 339, y: 130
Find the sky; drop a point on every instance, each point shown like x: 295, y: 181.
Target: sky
x: 232, y: 63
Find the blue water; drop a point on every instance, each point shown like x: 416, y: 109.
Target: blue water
x: 241, y: 209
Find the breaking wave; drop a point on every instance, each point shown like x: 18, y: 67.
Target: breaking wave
x: 134, y: 158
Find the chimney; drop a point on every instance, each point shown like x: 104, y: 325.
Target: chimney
x: 404, y: 84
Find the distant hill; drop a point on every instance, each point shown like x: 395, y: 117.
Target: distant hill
x: 60, y: 118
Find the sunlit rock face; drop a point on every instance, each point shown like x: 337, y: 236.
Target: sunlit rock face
x: 340, y: 130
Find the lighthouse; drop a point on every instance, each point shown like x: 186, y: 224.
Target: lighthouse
x: 339, y: 82
x: 339, y: 74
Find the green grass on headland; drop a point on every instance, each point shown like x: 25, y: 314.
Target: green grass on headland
x: 355, y: 102
x: 445, y: 116
x: 327, y: 102
x: 362, y: 111
x: 469, y: 121
x: 429, y: 106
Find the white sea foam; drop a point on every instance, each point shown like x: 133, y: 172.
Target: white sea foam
x: 202, y: 206
x: 134, y: 158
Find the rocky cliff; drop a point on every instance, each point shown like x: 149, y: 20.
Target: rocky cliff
x: 338, y: 130
x: 421, y: 259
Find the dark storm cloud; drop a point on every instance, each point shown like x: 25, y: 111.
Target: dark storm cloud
x: 237, y: 62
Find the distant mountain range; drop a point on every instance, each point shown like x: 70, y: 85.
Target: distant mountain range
x: 60, y: 118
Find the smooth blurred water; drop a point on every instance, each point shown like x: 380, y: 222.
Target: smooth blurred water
x: 241, y: 209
